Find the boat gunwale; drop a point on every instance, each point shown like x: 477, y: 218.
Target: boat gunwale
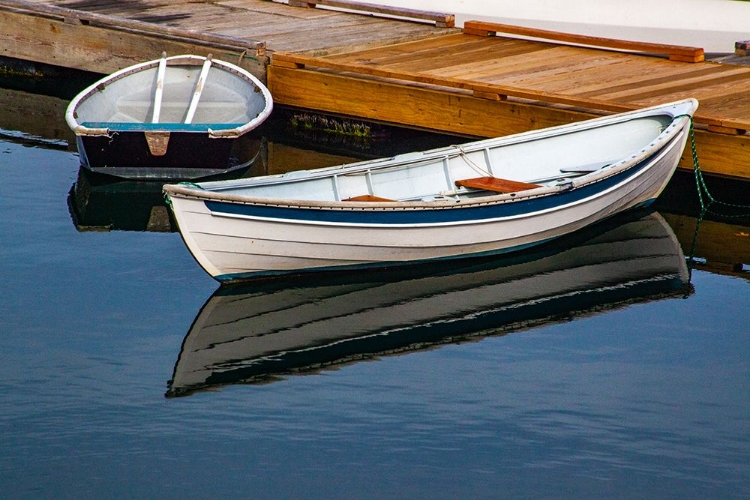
x: 190, y: 60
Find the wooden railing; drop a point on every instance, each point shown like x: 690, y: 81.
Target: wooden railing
x: 675, y: 52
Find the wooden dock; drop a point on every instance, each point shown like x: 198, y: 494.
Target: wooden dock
x: 485, y: 80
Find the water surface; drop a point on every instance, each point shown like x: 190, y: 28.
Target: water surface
x: 632, y: 386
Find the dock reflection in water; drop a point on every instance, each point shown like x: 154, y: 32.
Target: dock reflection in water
x: 97, y: 204
x: 260, y: 331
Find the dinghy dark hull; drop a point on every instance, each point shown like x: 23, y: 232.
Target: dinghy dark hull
x: 188, y: 155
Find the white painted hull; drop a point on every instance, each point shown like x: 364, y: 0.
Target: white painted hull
x: 236, y: 243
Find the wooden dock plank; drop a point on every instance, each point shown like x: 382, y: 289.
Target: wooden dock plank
x: 730, y: 106
x: 464, y: 60
x: 309, y: 38
x: 640, y: 75
x: 266, y: 7
x: 405, y: 48
x: 422, y: 55
x: 700, y: 83
x: 412, y: 50
x: 313, y: 41
x: 540, y: 68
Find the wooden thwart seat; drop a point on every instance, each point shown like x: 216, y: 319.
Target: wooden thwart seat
x: 367, y: 197
x: 495, y: 184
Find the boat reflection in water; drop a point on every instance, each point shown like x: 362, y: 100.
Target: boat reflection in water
x: 262, y: 330
x: 104, y: 203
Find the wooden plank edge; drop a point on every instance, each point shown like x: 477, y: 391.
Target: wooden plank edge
x: 719, y: 129
x: 720, y: 125
x: 675, y: 52
x: 441, y: 20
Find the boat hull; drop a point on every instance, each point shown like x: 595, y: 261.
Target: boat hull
x: 235, y: 237
x: 189, y: 155
x: 232, y: 246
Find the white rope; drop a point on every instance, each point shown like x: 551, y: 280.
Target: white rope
x: 473, y: 165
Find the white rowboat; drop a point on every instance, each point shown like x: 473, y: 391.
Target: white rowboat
x: 493, y: 196
x: 179, y: 117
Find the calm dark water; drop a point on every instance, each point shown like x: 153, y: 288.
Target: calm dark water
x: 630, y: 386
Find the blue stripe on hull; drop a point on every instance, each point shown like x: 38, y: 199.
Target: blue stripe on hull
x: 161, y: 127
x: 427, y: 215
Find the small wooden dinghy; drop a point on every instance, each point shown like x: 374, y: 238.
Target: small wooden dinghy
x: 179, y: 117
x: 493, y: 196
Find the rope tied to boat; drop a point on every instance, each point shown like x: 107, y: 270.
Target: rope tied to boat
x: 168, y: 201
x: 704, y: 195
x: 471, y: 163
x: 705, y: 198
x: 191, y: 184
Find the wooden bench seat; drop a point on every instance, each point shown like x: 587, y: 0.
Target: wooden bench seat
x: 367, y: 197
x: 495, y: 184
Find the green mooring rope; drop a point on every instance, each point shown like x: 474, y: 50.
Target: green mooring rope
x: 706, y: 200
x: 191, y: 184
x: 183, y: 183
x: 704, y: 195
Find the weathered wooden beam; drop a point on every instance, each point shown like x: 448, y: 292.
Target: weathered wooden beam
x: 461, y: 113
x: 441, y: 20
x: 79, y: 17
x: 410, y: 105
x: 488, y: 90
x: 675, y: 52
x: 50, y: 39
